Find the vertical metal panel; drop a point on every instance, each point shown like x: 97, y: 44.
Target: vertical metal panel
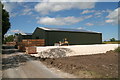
x: 74, y: 38
x: 39, y: 34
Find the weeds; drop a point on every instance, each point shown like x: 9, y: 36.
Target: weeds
x: 117, y: 50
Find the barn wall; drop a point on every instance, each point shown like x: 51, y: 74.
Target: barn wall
x: 84, y: 38
x: 19, y: 38
x: 26, y: 36
x: 55, y: 37
x: 74, y: 38
x: 38, y: 34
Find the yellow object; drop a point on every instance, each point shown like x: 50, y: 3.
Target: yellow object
x: 66, y: 41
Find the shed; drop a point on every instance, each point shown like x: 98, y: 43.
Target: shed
x: 74, y: 36
x: 20, y: 36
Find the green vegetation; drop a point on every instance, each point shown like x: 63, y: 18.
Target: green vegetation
x: 117, y: 50
x: 9, y: 38
x: 109, y: 42
x: 5, y: 21
x: 112, y: 41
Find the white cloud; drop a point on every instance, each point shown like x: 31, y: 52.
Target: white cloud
x: 80, y: 28
x: 109, y: 21
x: 19, y: 0
x: 89, y: 16
x: 16, y: 31
x: 13, y: 14
x: 113, y: 17
x: 45, y: 8
x: 71, y: 0
x: 87, y: 11
x: 96, y: 13
x: 61, y: 0
x: 27, y: 11
x: 82, y: 0
x: 61, y: 20
x: 89, y: 24
x: 9, y: 6
x: 107, y: 10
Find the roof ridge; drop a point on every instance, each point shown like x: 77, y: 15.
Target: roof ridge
x: 67, y: 29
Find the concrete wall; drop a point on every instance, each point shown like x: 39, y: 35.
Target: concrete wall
x: 74, y: 50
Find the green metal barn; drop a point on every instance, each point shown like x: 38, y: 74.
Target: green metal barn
x: 74, y: 36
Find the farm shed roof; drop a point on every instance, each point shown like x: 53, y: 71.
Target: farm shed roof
x: 26, y: 33
x: 65, y: 29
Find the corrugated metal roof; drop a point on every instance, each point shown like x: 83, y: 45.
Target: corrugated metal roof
x: 65, y: 29
x: 26, y: 33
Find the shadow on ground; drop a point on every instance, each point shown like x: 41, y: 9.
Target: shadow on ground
x: 12, y: 58
x: 16, y: 61
x: 9, y: 51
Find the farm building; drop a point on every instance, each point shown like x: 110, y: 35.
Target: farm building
x: 20, y: 36
x: 74, y: 36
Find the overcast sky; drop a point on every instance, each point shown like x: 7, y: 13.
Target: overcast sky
x: 93, y: 16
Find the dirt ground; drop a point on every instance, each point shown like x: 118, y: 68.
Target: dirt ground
x: 88, y: 66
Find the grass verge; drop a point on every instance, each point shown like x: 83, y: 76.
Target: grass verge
x: 117, y: 50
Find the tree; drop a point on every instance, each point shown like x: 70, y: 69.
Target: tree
x: 9, y: 38
x: 112, y: 39
x: 5, y: 21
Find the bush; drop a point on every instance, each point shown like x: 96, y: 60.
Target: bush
x: 117, y: 50
x: 9, y: 38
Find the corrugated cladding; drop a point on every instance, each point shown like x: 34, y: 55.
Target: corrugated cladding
x: 73, y: 37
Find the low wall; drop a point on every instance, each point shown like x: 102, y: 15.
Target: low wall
x: 75, y: 49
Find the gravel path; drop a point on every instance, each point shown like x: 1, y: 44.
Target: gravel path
x: 21, y: 65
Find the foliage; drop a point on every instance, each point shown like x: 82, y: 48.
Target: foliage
x: 5, y: 21
x: 9, y: 38
x: 117, y: 50
x: 109, y: 42
x: 112, y: 39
